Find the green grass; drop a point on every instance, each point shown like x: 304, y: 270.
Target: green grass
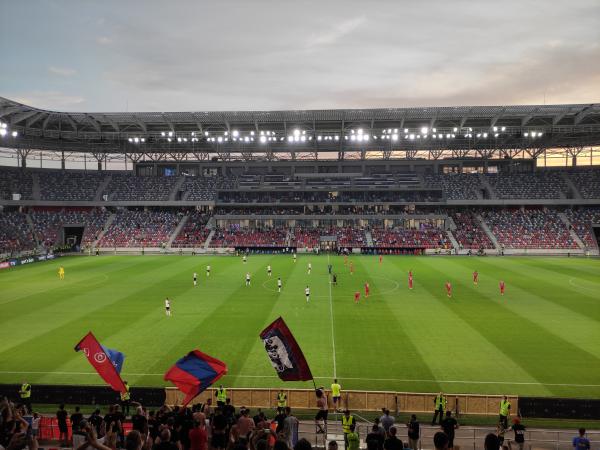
x: 542, y: 338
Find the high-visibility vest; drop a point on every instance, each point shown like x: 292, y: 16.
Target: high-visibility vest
x: 281, y: 399
x: 125, y: 395
x: 25, y: 391
x: 335, y: 390
x: 222, y: 395
x: 440, y: 402
x: 346, y: 422
x: 504, y: 407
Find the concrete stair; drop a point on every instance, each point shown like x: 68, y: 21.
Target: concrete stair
x: 488, y: 232
x: 32, y: 228
x: 208, y: 239
x: 177, y: 230
x: 488, y: 187
x: 176, y: 188
x: 102, y: 188
x: 453, y: 240
x: 369, y: 238
x: 576, y: 193
x: 35, y: 187
x: 574, y: 235
x: 109, y: 221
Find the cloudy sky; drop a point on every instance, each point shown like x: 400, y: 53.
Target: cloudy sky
x: 168, y: 55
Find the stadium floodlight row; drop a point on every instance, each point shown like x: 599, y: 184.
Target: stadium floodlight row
x: 466, y: 131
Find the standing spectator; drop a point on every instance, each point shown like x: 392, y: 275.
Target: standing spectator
x: 504, y: 411
x: 581, y: 442
x: 347, y: 421
x: 322, y: 413
x: 25, y: 394
x: 125, y: 399
x: 440, y: 441
x: 198, y: 435
x: 519, y: 430
x: 219, y: 430
x: 95, y: 420
x: 163, y: 442
x: 63, y: 433
x: 414, y: 432
x: 245, y: 424
x: 374, y: 439
x: 290, y: 428
x: 76, y: 419
x: 35, y: 425
x: 353, y: 438
x: 336, y: 388
x: 332, y: 445
x: 491, y: 442
x: 392, y: 442
x: 440, y: 406
x: 139, y: 421
x: 449, y: 425
x: 386, y: 420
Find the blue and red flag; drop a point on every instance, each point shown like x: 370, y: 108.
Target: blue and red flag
x: 107, y: 362
x: 285, y: 353
x: 195, y: 372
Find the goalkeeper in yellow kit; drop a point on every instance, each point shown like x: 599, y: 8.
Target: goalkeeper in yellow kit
x: 61, y: 273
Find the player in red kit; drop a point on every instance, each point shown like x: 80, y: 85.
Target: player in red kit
x: 356, y: 296
x: 410, y: 280
x: 475, y: 278
x: 366, y: 290
x: 501, y: 285
x: 380, y: 259
x: 448, y: 289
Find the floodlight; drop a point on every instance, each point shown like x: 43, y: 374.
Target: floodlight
x: 296, y: 132
x: 252, y: 133
x: 2, y: 125
x: 525, y: 134
x: 235, y: 133
x: 206, y: 133
x: 366, y: 137
x: 360, y: 131
x: 319, y: 138
x: 496, y: 135
x: 478, y: 135
x: 424, y: 130
x: 503, y: 128
x: 142, y: 139
x: 263, y: 139
x: 485, y: 135
x: 495, y: 128
x: 435, y: 130
x: 2, y: 132
x: 455, y: 129
x: 163, y: 133
x: 168, y: 139
x: 394, y: 137
x: 539, y: 134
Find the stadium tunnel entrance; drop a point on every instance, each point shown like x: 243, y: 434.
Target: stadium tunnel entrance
x: 596, y: 230
x: 72, y: 235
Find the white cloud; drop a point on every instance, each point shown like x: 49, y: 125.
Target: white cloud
x: 48, y: 99
x: 104, y: 40
x: 335, y: 33
x: 62, y: 71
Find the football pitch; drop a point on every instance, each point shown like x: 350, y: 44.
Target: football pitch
x: 541, y: 338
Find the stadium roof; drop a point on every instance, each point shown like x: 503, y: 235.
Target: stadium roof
x: 386, y: 130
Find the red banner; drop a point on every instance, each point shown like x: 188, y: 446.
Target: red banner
x: 101, y: 362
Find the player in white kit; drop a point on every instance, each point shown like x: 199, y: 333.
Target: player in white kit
x: 307, y: 293
x: 269, y: 270
x: 279, y: 284
x: 309, y: 267
x: 208, y: 270
x: 248, y: 279
x: 195, y: 279
x: 168, y: 307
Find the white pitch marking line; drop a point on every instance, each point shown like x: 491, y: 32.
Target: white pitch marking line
x: 331, y: 315
x: 402, y: 380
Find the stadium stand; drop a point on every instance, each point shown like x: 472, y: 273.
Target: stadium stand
x: 15, y: 233
x: 126, y: 187
x: 410, y: 238
x: 529, y: 228
x: 537, y: 185
x: 305, y: 237
x: 458, y: 186
x: 194, y: 232
x: 16, y: 181
x: 587, y: 182
x: 69, y: 186
x: 582, y: 220
x: 133, y: 228
x: 469, y: 233
x: 242, y: 237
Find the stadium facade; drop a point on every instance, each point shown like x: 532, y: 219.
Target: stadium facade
x: 451, y: 179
